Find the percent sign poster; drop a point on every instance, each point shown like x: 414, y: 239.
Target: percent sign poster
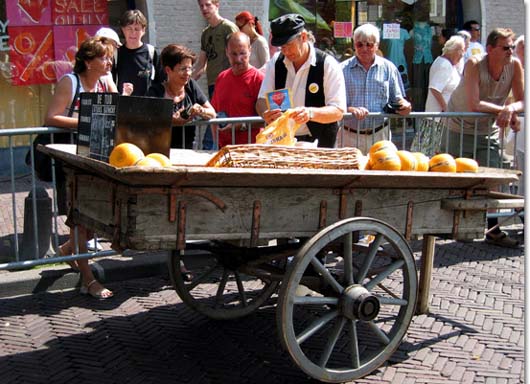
x: 44, y: 35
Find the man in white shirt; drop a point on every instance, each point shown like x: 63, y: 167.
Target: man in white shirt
x: 314, y: 78
x: 475, y: 48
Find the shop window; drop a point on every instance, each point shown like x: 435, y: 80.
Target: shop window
x: 24, y: 105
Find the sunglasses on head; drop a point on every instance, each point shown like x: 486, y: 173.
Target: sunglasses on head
x: 360, y: 44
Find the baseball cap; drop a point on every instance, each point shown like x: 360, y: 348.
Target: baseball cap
x: 109, y: 33
x: 285, y: 28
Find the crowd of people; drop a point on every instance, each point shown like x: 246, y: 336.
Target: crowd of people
x: 240, y: 72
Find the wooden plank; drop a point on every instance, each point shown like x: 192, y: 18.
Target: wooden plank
x: 285, y: 212
x: 487, y: 178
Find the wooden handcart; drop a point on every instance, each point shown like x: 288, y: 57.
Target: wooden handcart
x: 332, y: 244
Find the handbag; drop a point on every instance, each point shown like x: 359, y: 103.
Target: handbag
x: 42, y: 163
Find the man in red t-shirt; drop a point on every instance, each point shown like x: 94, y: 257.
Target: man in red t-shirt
x: 236, y: 92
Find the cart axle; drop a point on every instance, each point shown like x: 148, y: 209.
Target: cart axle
x: 357, y: 303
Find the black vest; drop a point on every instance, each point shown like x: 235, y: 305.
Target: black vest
x: 325, y: 133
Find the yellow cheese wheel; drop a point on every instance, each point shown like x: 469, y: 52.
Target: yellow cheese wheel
x: 125, y: 155
x: 408, y: 160
x: 464, y: 164
x: 383, y: 144
x: 161, y: 158
x: 385, y: 160
x: 442, y: 162
x: 148, y: 162
x: 422, y: 162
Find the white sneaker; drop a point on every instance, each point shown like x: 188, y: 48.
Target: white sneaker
x: 93, y: 244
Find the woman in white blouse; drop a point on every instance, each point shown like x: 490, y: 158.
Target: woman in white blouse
x: 444, y: 76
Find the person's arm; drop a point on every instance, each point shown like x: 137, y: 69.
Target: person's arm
x: 205, y: 111
x: 61, y: 100
x: 439, y: 98
x: 200, y: 66
x: 267, y: 85
x: 475, y: 104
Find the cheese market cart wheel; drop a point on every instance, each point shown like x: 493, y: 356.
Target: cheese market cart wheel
x: 347, y: 299
x: 230, y: 282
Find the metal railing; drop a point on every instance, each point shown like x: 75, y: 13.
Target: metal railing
x: 407, y: 132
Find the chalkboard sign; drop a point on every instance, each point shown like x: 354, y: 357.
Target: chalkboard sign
x: 107, y: 119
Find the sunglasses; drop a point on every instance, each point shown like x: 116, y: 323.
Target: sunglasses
x: 360, y: 44
x: 475, y: 29
x: 507, y: 47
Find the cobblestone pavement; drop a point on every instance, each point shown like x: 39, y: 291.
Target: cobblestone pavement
x: 145, y: 334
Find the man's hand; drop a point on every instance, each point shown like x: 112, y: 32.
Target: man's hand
x: 128, y: 89
x: 405, y: 109
x: 504, y: 117
x: 359, y: 113
x: 271, y: 114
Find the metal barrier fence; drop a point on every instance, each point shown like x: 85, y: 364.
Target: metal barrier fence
x: 33, y: 240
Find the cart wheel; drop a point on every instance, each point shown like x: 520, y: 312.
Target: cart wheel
x: 345, y: 304
x: 222, y: 291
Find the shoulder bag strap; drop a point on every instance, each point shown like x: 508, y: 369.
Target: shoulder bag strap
x: 76, y: 95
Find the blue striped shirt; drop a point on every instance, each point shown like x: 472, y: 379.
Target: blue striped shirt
x: 371, y: 89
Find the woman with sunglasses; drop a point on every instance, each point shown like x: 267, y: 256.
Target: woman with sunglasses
x: 259, y: 48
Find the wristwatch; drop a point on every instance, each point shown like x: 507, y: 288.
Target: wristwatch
x: 310, y: 113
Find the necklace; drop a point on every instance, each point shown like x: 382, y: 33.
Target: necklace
x: 176, y: 96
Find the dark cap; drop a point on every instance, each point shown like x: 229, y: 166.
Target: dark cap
x: 285, y: 28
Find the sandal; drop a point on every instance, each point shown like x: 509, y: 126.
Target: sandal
x: 101, y: 294
x: 502, y: 240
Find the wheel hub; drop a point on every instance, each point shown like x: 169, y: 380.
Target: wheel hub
x: 357, y: 303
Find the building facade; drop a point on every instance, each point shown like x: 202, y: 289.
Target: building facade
x: 172, y: 21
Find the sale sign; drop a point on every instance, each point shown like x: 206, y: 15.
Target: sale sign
x: 31, y: 55
x: 79, y: 12
x: 28, y: 12
x: 66, y: 42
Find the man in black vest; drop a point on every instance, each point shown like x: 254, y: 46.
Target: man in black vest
x: 314, y: 78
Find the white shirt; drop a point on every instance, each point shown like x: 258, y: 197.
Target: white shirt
x: 475, y: 48
x: 334, y: 87
x: 443, y: 77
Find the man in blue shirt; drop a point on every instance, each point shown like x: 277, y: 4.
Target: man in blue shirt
x: 371, y: 83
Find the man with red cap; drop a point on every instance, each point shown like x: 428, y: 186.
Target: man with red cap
x: 314, y: 78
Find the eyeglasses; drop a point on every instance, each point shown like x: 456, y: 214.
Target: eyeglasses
x: 184, y: 69
x: 507, y: 47
x: 360, y: 44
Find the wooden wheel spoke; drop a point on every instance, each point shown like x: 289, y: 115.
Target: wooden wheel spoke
x: 332, y: 340
x: 372, y: 251
x: 392, y: 301
x: 311, y: 300
x: 315, y: 326
x: 201, y: 278
x: 328, y: 277
x: 348, y: 258
x: 381, y: 335
x: 221, y: 289
x: 354, y: 345
x: 384, y: 274
x: 241, y: 289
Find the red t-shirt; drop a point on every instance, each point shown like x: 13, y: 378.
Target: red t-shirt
x: 236, y: 96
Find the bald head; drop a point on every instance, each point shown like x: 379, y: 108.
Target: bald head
x: 238, y: 38
x: 238, y: 52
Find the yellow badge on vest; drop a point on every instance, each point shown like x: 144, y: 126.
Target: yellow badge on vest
x: 313, y: 88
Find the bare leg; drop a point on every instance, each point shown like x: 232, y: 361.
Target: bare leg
x: 88, y: 281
